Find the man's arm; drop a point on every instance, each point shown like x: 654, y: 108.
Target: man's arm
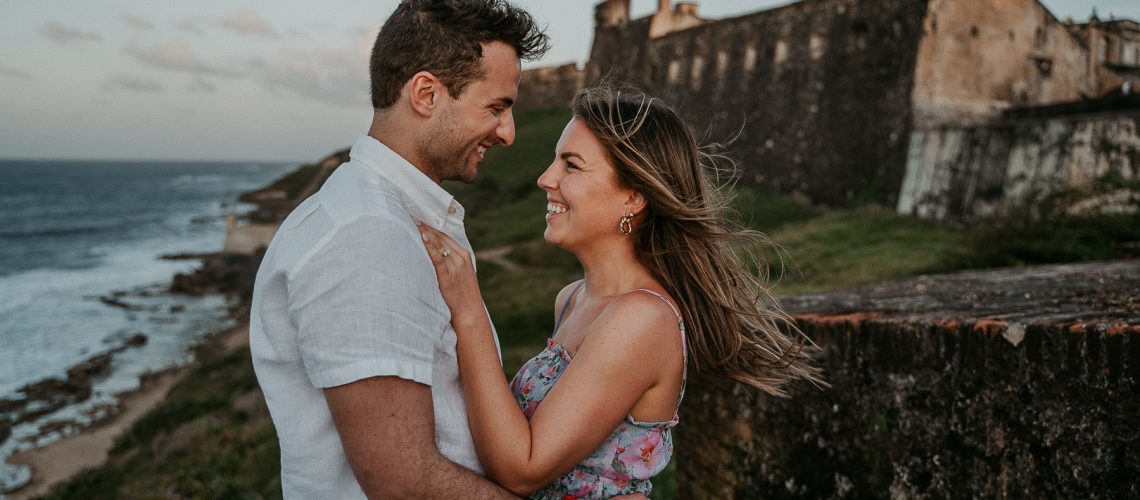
x: 387, y: 427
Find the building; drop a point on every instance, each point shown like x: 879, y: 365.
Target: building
x: 845, y: 100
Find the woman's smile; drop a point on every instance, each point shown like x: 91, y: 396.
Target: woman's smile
x: 554, y: 208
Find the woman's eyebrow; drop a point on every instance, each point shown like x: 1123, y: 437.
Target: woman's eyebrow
x: 567, y: 155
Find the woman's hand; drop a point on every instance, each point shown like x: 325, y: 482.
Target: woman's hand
x: 455, y: 274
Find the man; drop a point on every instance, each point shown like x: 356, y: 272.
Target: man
x: 351, y: 340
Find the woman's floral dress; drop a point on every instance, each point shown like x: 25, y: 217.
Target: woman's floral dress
x: 624, y: 463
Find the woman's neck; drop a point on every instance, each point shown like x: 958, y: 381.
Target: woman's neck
x: 613, y: 269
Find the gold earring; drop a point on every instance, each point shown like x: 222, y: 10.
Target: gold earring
x: 626, y: 224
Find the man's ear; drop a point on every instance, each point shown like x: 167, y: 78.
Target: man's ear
x: 423, y: 93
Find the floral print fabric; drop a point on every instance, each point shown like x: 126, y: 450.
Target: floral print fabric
x: 624, y: 463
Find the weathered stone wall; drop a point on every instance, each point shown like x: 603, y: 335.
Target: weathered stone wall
x: 819, y: 90
x: 550, y: 87
x: 1014, y: 383
x: 997, y: 169
x: 978, y: 57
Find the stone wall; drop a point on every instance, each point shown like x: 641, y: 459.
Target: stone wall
x: 819, y: 91
x: 1000, y: 168
x: 1014, y: 383
x: 979, y: 57
x: 550, y: 87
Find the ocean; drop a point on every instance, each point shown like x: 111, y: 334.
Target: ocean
x: 81, y: 275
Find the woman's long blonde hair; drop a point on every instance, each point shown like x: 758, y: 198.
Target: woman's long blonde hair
x: 684, y: 236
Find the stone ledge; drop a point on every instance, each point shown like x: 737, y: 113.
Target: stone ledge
x: 942, y: 386
x: 1096, y: 296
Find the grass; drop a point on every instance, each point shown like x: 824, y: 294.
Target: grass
x: 199, y: 445
x: 195, y: 445
x: 844, y: 248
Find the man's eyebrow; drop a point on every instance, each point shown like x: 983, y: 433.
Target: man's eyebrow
x: 567, y: 155
x: 506, y: 101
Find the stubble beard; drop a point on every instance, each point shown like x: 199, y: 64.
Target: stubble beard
x: 446, y: 153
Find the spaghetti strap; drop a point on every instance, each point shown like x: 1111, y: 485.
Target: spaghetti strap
x: 565, y: 305
x: 681, y: 327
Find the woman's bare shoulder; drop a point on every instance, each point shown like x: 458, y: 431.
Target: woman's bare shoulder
x: 641, y: 317
x: 563, y: 296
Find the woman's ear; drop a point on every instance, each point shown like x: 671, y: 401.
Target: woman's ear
x: 635, y: 203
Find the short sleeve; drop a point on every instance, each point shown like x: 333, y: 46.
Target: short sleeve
x: 366, y: 304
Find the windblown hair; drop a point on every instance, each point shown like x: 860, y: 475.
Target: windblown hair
x: 686, y: 239
x: 444, y: 37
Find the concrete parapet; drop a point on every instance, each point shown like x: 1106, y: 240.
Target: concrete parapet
x: 247, y: 239
x: 1001, y: 383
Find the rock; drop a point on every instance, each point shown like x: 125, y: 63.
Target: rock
x: 224, y: 274
x: 93, y: 367
x: 185, y: 256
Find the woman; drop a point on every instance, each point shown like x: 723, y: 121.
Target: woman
x: 629, y: 196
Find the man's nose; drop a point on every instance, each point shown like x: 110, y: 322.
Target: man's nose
x: 506, y: 130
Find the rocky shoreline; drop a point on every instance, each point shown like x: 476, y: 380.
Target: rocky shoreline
x: 37, y: 400
x: 96, y: 426
x: 90, y: 446
x: 86, y: 443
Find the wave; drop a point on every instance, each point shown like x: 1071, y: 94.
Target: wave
x: 198, y: 179
x: 57, y: 231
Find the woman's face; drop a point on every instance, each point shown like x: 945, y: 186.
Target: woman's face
x: 585, y: 203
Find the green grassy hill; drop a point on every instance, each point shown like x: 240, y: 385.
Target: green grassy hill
x: 212, y: 438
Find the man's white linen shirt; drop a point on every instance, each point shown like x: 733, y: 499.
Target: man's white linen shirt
x: 346, y: 291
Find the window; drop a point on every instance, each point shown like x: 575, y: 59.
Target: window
x: 816, y: 45
x: 697, y: 69
x: 674, y: 71
x: 781, y: 52
x: 750, y: 59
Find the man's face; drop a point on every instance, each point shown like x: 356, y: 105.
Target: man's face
x: 465, y: 128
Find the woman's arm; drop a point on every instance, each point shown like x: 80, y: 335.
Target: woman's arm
x: 622, y: 359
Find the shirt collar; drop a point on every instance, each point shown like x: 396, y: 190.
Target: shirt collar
x: 424, y: 199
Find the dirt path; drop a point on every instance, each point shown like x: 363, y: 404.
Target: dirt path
x: 89, y: 448
x: 498, y: 256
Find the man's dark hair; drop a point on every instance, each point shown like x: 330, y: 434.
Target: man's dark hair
x: 444, y: 37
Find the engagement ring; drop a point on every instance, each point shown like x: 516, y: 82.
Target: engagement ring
x: 445, y: 252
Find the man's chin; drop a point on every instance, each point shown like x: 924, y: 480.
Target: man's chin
x: 468, y: 176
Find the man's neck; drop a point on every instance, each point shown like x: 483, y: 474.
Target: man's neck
x: 386, y: 129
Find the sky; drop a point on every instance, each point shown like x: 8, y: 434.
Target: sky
x: 254, y: 80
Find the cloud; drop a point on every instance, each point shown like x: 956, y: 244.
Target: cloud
x: 18, y: 74
x: 64, y: 34
x: 247, y: 22
x: 132, y: 84
x: 138, y: 23
x: 176, y: 55
x: 336, y: 77
x: 202, y: 85
x: 190, y: 26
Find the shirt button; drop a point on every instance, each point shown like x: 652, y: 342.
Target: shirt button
x: 451, y: 210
